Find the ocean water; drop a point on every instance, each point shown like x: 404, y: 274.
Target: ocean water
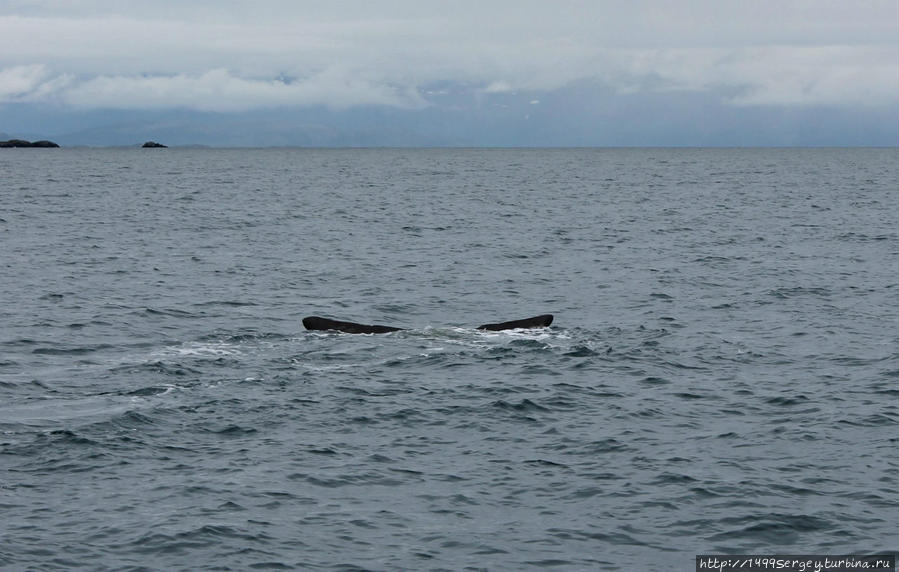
x: 722, y: 375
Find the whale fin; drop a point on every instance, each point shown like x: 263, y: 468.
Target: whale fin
x: 540, y: 321
x: 318, y: 323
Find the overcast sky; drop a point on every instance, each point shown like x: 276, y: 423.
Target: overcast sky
x: 228, y: 57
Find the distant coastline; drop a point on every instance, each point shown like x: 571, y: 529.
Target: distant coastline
x: 45, y: 144
x: 22, y: 143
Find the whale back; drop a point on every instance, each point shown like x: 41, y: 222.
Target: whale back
x: 319, y: 323
x: 541, y: 321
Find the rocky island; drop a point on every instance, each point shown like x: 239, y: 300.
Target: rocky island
x: 23, y: 143
x: 154, y: 145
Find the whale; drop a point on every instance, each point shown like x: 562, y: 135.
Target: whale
x: 317, y: 323
x: 541, y: 321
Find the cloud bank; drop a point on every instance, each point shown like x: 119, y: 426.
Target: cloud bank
x: 228, y: 57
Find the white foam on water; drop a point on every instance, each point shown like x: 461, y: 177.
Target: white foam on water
x: 198, y: 349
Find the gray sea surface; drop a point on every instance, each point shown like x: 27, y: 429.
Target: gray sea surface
x: 722, y: 375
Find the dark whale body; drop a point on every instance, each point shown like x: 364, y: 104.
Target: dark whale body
x: 319, y: 323
x: 541, y: 321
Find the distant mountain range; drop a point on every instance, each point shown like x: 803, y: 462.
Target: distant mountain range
x: 584, y: 114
